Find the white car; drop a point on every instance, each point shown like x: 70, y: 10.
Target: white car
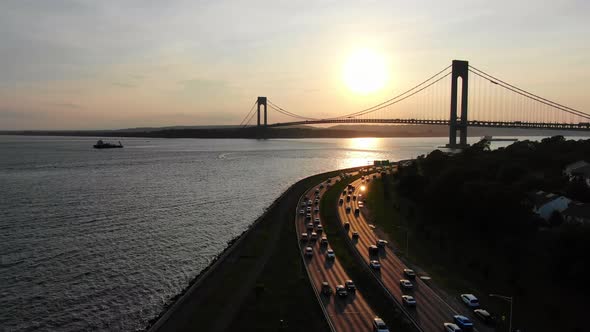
x: 379, y: 325
x: 330, y: 254
x: 308, y: 209
x: 405, y: 283
x: 308, y: 251
x: 324, y: 240
x: 409, y: 300
x: 319, y: 228
x: 470, y: 300
x: 303, y: 236
x: 314, y: 236
x: 302, y: 212
x: 450, y: 327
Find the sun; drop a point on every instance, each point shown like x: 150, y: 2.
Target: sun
x: 365, y: 72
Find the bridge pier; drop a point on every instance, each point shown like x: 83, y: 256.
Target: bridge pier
x: 261, y: 129
x: 459, y: 123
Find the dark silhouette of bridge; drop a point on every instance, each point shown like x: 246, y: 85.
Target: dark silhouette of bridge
x: 486, y: 101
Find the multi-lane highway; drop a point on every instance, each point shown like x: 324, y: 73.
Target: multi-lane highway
x: 431, y: 311
x: 350, y: 313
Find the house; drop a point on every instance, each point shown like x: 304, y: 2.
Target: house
x: 545, y: 203
x: 577, y: 213
x: 578, y: 170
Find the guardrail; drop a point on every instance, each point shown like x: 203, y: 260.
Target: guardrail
x: 313, y: 285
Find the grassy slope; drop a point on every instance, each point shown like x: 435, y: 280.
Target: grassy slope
x: 283, y: 290
x: 364, y: 281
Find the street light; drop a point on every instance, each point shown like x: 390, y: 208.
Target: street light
x: 407, y: 239
x: 509, y: 299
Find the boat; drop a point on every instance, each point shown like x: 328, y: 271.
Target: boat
x: 491, y: 139
x: 105, y: 145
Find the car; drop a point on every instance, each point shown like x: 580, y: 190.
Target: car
x: 470, y: 300
x: 329, y: 180
x: 354, y: 197
x: 316, y: 210
x: 379, y: 325
x: 341, y: 291
x: 309, y: 202
x: 343, y: 192
x: 450, y: 327
x: 309, y: 226
x: 316, y: 220
x: 326, y: 289
x: 463, y: 322
x: 314, y: 236
x: 317, y: 201
x: 355, y: 235
x: 308, y: 209
x: 485, y: 316
x: 348, y: 209
x: 303, y: 236
x: 348, y: 198
x: 375, y: 265
x: 324, y: 240
x: 321, y: 186
x: 410, y: 274
x: 308, y: 251
x: 350, y: 286
x: 319, y: 228
x: 330, y: 254
x: 301, y: 212
x: 408, y: 300
x: 406, y: 284
x: 381, y: 243
x: 347, y: 225
x: 357, y: 211
x: 317, y: 190
x: 341, y: 201
x: 373, y: 250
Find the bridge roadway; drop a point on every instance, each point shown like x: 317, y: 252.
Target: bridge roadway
x: 352, y: 313
x: 431, y: 310
x: 581, y: 126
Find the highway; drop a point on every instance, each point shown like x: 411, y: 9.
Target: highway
x: 431, y: 310
x: 351, y: 313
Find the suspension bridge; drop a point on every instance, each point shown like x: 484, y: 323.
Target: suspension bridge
x: 476, y: 99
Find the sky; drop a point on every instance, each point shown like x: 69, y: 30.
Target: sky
x: 78, y: 64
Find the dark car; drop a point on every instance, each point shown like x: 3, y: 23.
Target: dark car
x: 410, y: 274
x: 326, y: 289
x: 485, y: 317
x: 347, y: 225
x: 350, y: 286
x: 341, y: 201
x: 341, y: 291
x: 373, y: 250
x: 463, y: 322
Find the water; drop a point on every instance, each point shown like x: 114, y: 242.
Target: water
x: 103, y: 239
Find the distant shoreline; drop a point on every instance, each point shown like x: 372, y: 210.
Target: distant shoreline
x: 299, y: 132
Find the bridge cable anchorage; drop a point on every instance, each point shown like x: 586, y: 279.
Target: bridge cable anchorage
x: 366, y: 110
x: 285, y: 112
x: 243, y: 124
x: 527, y: 94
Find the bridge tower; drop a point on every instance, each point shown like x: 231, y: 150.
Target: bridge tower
x: 259, y: 102
x: 458, y: 122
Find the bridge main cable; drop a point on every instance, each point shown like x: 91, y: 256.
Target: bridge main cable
x: 527, y: 94
x: 393, y: 100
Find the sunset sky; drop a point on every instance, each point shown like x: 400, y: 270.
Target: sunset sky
x: 119, y: 64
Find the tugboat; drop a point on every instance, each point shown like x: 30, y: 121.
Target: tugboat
x: 102, y: 145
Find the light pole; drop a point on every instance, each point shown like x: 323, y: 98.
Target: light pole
x: 509, y: 299
x: 407, y: 239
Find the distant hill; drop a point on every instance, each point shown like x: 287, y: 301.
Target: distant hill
x: 339, y: 131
